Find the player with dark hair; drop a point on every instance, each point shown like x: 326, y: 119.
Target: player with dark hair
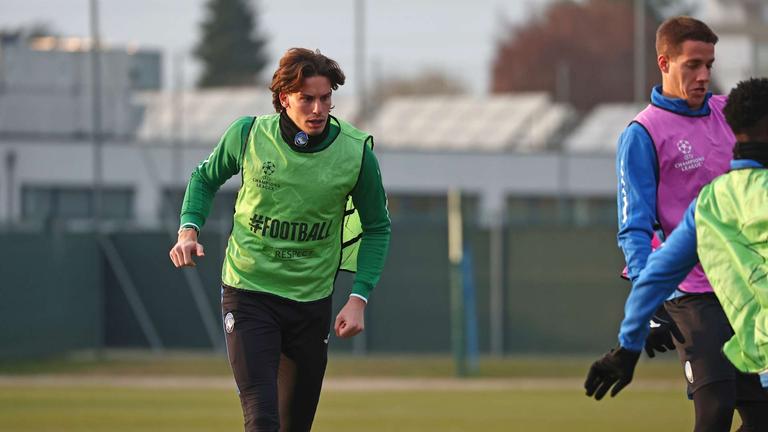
x: 725, y: 229
x: 294, y: 227
x: 672, y: 148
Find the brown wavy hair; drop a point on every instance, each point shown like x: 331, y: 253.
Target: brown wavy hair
x: 676, y: 30
x: 296, y: 65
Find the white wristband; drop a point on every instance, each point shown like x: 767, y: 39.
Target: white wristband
x: 188, y: 226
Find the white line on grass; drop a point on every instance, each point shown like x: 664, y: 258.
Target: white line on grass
x: 361, y: 384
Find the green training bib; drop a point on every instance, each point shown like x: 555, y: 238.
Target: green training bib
x: 732, y: 243
x: 289, y: 214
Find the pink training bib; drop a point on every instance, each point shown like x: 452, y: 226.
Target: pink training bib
x: 691, y: 152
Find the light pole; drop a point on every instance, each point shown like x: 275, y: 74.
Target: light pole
x: 359, y: 343
x: 640, y: 91
x: 360, y: 59
x: 96, y: 135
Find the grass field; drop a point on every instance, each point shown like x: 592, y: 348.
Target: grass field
x: 183, y: 392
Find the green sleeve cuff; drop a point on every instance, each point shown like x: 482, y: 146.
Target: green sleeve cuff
x: 192, y: 219
x: 362, y: 289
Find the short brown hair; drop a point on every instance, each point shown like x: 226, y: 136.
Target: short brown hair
x: 676, y: 30
x: 298, y: 64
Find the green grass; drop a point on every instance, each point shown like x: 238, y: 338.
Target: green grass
x: 124, y: 363
x: 88, y: 409
x: 202, y: 364
x: 501, y: 411
x: 96, y: 407
x: 107, y: 409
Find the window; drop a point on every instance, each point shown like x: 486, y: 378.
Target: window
x: 583, y: 211
x: 408, y: 206
x: 44, y: 203
x: 536, y: 211
x: 761, y: 58
x: 593, y: 211
x: 222, y: 209
x: 427, y: 207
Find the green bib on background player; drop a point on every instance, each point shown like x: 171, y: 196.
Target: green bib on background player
x: 732, y: 236
x: 290, y: 214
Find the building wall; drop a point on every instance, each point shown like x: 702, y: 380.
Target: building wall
x: 148, y: 170
x: 554, y: 265
x: 49, y: 92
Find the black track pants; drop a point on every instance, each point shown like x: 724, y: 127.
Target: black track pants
x: 278, y: 350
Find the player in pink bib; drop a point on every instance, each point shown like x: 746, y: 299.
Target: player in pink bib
x: 672, y: 148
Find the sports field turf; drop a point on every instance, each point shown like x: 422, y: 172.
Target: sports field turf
x: 188, y: 393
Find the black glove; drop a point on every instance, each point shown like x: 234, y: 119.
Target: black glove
x: 616, y: 367
x: 663, y: 329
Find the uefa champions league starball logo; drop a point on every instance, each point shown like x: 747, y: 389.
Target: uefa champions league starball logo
x: 268, y: 168
x: 684, y: 146
x: 689, y: 160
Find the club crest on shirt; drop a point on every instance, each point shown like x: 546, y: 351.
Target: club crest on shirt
x: 301, y: 139
x: 689, y: 371
x: 229, y: 322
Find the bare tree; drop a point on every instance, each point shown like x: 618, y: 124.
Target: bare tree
x: 27, y: 31
x: 426, y: 82
x: 582, y: 52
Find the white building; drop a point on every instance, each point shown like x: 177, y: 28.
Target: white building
x: 46, y: 90
x: 502, y: 150
x: 742, y: 26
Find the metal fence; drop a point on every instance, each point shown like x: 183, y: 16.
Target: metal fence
x: 63, y: 291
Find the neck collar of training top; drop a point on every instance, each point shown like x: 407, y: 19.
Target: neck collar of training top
x: 678, y: 105
x: 754, y: 150
x: 298, y: 139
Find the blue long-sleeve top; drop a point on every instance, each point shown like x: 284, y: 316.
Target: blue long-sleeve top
x: 637, y: 171
x: 666, y: 268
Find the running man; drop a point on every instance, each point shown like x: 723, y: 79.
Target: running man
x: 297, y: 169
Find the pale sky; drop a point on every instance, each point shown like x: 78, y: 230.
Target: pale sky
x: 402, y: 37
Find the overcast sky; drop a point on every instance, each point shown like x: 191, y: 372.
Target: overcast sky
x: 402, y: 37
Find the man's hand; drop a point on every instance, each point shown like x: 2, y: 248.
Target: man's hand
x: 185, y: 248
x: 351, y: 319
x: 663, y: 329
x: 616, y: 367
